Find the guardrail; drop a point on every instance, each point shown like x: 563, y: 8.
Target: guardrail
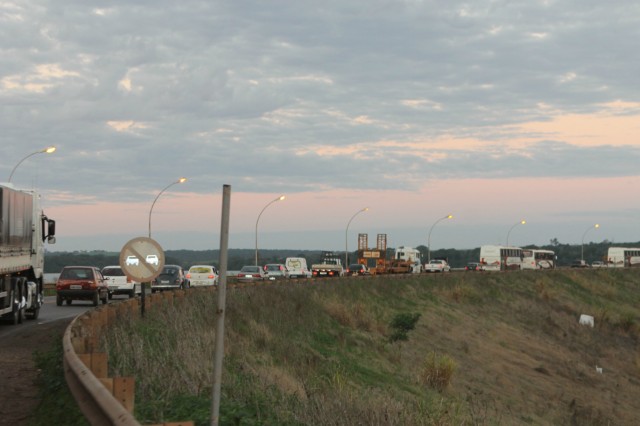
x: 103, y: 400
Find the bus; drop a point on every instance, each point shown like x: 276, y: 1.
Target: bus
x: 623, y: 257
x: 500, y: 258
x: 538, y: 259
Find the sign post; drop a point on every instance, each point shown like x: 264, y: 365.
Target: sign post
x: 142, y: 260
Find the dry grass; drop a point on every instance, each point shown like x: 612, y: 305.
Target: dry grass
x: 320, y: 354
x: 437, y: 371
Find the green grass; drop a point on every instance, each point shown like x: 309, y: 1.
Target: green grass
x: 56, y: 400
x: 323, y: 353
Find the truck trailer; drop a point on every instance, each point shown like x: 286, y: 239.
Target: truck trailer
x: 24, y: 229
x: 330, y: 266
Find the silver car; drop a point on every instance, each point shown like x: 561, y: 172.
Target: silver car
x: 276, y: 271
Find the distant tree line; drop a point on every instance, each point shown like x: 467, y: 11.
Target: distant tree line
x: 567, y: 253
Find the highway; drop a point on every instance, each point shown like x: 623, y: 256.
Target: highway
x: 49, y: 313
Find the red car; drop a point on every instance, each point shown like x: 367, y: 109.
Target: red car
x: 81, y: 283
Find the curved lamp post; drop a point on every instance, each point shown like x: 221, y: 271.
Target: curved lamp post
x: 449, y: 216
x: 47, y: 150
x: 596, y: 226
x: 346, y: 237
x: 522, y: 222
x: 181, y: 180
x: 280, y: 198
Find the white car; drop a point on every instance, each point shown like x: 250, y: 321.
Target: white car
x: 132, y: 260
x: 437, y: 265
x: 118, y: 282
x: 152, y: 259
x: 202, y: 275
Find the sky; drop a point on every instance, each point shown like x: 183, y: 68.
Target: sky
x: 491, y: 111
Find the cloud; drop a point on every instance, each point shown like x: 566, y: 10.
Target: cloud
x: 308, y: 96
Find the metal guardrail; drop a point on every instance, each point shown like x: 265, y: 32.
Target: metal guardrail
x: 102, y: 400
x: 95, y: 396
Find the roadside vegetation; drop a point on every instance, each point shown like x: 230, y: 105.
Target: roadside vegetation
x: 57, y: 405
x: 237, y: 258
x: 447, y: 349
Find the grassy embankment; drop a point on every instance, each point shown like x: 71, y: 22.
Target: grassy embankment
x: 502, y: 348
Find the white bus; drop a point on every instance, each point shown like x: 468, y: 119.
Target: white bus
x: 623, y: 257
x: 500, y: 258
x: 538, y: 259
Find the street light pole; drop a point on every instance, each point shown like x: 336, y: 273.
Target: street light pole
x: 596, y: 226
x: 449, y: 216
x: 522, y: 222
x: 181, y: 180
x: 47, y: 150
x: 280, y: 198
x: 346, y: 237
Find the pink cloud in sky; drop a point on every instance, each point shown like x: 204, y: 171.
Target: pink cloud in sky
x: 473, y: 202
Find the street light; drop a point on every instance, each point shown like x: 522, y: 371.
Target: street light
x: 522, y: 222
x: 346, y: 237
x: 596, y: 226
x: 181, y: 180
x: 280, y: 198
x: 449, y: 216
x: 47, y: 150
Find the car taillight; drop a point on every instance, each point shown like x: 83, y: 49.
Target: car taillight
x: 211, y: 277
x: 188, y: 276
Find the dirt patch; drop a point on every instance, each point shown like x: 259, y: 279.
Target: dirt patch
x: 19, y: 373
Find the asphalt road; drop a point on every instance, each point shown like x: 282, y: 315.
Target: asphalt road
x: 49, y: 313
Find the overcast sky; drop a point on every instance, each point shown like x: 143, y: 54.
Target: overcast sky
x: 492, y: 111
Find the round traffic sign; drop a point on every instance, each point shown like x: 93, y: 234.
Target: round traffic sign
x: 142, y: 259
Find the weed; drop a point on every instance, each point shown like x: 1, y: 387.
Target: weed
x: 56, y: 401
x: 437, y: 371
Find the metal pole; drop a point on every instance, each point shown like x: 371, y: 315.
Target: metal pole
x: 181, y: 180
x: 596, y: 226
x: 522, y: 222
x: 48, y: 150
x: 280, y: 198
x: 220, y: 312
x: 346, y: 237
x: 449, y: 216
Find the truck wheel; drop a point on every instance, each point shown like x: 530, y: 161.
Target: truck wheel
x: 105, y: 299
x: 18, y: 314
x: 68, y: 302
x: 32, y: 315
x: 110, y: 295
x: 132, y: 293
x: 58, y: 300
x: 17, y: 317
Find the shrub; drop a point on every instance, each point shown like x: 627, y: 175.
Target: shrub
x: 437, y: 371
x: 402, y: 324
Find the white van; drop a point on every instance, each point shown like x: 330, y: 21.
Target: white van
x: 297, y: 267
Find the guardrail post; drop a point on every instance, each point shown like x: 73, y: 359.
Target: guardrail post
x: 124, y: 391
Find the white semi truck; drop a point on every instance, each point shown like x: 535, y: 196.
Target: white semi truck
x: 23, y: 231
